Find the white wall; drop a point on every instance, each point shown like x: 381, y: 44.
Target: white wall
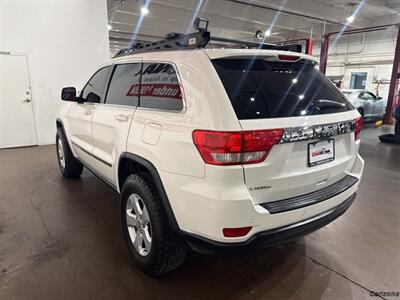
x: 65, y: 41
x: 372, y: 53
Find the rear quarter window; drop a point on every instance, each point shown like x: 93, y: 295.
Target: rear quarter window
x: 160, y: 87
x: 258, y: 88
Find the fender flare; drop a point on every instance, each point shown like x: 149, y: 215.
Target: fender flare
x: 58, y: 120
x: 158, y: 184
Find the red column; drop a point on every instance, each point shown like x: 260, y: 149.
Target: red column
x: 324, y: 53
x: 309, y: 46
x: 393, y: 82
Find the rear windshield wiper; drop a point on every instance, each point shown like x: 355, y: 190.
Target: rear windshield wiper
x: 316, y: 106
x: 325, y: 103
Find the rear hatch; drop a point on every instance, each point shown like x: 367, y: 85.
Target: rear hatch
x: 286, y: 92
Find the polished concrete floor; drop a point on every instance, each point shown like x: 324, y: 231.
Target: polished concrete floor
x: 61, y: 239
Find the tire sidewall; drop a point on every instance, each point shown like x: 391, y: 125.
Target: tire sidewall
x: 60, y: 136
x: 130, y: 187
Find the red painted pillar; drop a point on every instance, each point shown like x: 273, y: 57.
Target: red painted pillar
x: 324, y: 53
x: 309, y: 46
x: 393, y: 82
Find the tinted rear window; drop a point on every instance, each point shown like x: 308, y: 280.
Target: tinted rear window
x: 263, y: 89
x: 160, y: 87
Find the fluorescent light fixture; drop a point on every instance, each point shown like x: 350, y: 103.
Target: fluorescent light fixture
x: 109, y: 27
x: 350, y: 19
x: 268, y: 32
x: 301, y: 97
x: 294, y: 80
x: 144, y: 11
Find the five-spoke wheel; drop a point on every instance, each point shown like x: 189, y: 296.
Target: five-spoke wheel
x: 139, y: 226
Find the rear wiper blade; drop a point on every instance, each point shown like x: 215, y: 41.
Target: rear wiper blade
x: 317, y: 105
x: 325, y: 103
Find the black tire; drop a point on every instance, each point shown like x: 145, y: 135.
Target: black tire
x: 168, y: 250
x: 72, y: 167
x: 361, y: 111
x: 397, y: 128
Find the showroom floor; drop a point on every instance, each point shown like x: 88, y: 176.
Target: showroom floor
x: 61, y: 239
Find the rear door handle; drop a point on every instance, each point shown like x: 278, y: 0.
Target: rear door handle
x: 122, y: 118
x: 87, y: 112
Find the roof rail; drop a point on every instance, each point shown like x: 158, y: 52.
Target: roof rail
x: 199, y: 39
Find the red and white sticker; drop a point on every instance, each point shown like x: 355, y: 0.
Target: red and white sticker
x: 163, y: 90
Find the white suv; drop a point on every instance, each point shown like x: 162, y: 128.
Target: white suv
x: 219, y: 151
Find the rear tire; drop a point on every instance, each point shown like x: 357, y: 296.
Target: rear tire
x: 69, y: 166
x: 361, y: 111
x: 153, y: 245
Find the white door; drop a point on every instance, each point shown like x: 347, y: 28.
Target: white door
x: 112, y: 119
x: 80, y: 116
x: 17, y: 123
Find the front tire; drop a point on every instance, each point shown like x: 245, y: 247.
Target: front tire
x: 154, y: 247
x: 69, y: 166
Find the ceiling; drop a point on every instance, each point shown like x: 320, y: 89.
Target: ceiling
x: 240, y: 19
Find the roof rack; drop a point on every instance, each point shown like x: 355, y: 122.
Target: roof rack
x: 174, y: 41
x: 246, y: 44
x: 199, y: 39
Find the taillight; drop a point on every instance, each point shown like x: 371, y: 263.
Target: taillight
x: 235, y: 148
x: 236, y: 232
x: 359, y: 125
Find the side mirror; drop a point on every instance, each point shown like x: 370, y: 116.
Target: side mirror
x: 68, y: 94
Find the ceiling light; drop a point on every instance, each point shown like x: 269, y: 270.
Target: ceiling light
x: 268, y: 32
x: 303, y: 112
x: 252, y: 99
x: 301, y: 97
x: 350, y: 19
x: 294, y: 80
x: 144, y: 11
x: 109, y: 27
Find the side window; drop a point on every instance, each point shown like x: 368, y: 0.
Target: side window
x: 371, y: 96
x: 160, y: 87
x: 95, y: 88
x: 124, y: 85
x: 367, y: 96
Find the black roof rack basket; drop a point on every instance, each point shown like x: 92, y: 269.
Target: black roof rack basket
x: 174, y: 41
x: 198, y: 39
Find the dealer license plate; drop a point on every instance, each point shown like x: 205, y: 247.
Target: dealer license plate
x: 321, y: 152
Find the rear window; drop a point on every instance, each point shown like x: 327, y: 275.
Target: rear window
x: 260, y: 89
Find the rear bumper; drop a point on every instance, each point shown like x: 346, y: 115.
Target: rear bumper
x: 204, y: 206
x: 269, y: 237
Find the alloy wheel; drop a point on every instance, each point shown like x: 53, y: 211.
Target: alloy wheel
x: 139, y: 226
